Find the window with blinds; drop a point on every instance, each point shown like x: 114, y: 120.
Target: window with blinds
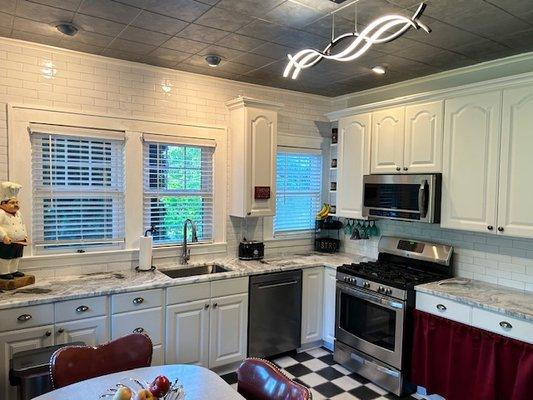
x: 78, y: 190
x: 298, y: 190
x: 178, y: 185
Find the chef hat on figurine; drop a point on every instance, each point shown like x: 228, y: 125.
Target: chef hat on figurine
x: 9, y: 190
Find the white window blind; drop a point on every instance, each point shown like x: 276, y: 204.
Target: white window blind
x: 298, y: 190
x: 178, y: 185
x: 78, y: 190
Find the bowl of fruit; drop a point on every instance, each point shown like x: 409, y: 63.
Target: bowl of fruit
x: 135, y: 389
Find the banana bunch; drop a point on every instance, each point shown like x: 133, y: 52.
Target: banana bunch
x: 324, y: 212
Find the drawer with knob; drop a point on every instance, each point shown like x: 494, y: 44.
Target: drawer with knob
x: 502, y: 324
x: 443, y: 307
x: 134, y: 301
x: 72, y: 310
x: 149, y: 322
x: 26, y: 317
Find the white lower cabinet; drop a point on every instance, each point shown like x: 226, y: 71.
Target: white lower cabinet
x: 12, y: 342
x: 227, y: 329
x: 91, y: 331
x: 210, y: 331
x: 330, y: 282
x: 312, y: 304
x: 187, y: 333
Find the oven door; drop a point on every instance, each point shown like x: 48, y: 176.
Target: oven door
x: 403, y: 197
x: 370, y: 323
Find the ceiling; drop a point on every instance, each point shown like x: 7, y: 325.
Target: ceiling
x: 253, y: 37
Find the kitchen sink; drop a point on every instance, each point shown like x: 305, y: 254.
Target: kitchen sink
x: 195, y: 270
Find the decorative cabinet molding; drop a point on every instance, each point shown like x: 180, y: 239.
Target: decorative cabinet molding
x: 470, y: 165
x: 253, y: 132
x: 423, y: 138
x: 387, y: 141
x: 515, y: 214
x: 353, y: 162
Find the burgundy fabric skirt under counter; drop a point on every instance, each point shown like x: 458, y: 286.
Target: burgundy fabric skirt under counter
x: 461, y: 362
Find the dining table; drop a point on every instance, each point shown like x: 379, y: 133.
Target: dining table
x: 199, y: 383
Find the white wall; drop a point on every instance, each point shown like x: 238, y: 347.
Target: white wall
x: 98, y: 84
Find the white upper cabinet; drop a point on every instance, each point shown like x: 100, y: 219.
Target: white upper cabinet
x: 515, y: 214
x: 423, y: 138
x: 253, y: 141
x: 470, y: 164
x: 353, y: 162
x: 387, y: 141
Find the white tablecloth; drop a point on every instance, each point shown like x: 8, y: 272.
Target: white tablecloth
x: 199, y: 384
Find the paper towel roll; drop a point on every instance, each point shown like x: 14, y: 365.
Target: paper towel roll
x: 145, y: 252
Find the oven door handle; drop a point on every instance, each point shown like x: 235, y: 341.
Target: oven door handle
x: 391, y: 304
x: 422, y: 199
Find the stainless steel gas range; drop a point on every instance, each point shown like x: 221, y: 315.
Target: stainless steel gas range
x: 374, y: 305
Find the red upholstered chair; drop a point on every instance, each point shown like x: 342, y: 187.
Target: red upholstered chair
x: 73, y: 364
x: 259, y: 379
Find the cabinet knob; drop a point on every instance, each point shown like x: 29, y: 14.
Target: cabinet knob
x: 138, y: 300
x: 490, y: 227
x: 500, y: 229
x: 138, y: 330
x: 60, y: 331
x: 81, y: 309
x: 505, y: 325
x: 441, y: 307
x: 24, y: 317
x: 398, y: 169
x: 206, y: 306
x: 215, y: 305
x: 48, y: 333
x: 405, y: 168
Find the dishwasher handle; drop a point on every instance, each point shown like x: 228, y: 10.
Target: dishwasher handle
x: 277, y: 284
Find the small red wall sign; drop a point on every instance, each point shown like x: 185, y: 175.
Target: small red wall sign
x: 262, y: 192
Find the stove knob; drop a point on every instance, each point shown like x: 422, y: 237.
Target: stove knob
x: 388, y: 291
x: 346, y: 279
x: 381, y: 289
x: 366, y: 285
x: 352, y: 280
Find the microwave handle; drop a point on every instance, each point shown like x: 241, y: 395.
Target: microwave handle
x: 422, y: 199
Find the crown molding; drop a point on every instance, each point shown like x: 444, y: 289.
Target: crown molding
x: 242, y: 101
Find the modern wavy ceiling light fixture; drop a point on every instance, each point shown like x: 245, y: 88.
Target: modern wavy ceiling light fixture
x: 375, y: 32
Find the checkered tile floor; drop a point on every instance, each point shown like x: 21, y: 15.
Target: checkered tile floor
x: 327, y: 379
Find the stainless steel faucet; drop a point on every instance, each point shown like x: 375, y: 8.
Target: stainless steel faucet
x: 186, y: 253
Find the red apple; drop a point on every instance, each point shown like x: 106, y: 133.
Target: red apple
x: 160, y: 386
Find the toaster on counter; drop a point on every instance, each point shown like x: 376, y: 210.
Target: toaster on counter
x: 251, y: 250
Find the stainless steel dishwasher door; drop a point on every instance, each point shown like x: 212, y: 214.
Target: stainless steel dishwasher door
x: 275, y: 313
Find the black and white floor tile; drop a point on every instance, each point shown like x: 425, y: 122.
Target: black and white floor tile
x: 327, y: 380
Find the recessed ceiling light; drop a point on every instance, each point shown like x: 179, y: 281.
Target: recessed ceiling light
x: 67, y: 28
x: 213, y: 60
x: 379, y: 69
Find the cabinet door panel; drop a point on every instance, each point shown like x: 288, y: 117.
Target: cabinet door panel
x: 187, y: 333
x: 312, y: 304
x: 16, y: 341
x: 470, y: 167
x: 262, y: 145
x: 149, y: 322
x: 228, y: 330
x: 91, y: 331
x: 330, y: 283
x: 515, y: 213
x: 423, y: 137
x: 353, y: 163
x: 387, y: 141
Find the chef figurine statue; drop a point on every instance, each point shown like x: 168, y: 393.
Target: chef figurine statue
x: 13, y: 236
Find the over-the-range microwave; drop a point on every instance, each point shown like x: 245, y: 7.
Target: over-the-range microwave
x: 404, y: 197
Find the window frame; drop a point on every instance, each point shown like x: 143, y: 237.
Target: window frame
x: 186, y: 143
x: 300, y: 233
x: 20, y: 116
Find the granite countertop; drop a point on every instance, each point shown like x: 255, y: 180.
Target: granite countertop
x: 503, y: 300
x: 105, y: 283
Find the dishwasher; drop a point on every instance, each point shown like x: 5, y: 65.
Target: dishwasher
x: 275, y: 313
